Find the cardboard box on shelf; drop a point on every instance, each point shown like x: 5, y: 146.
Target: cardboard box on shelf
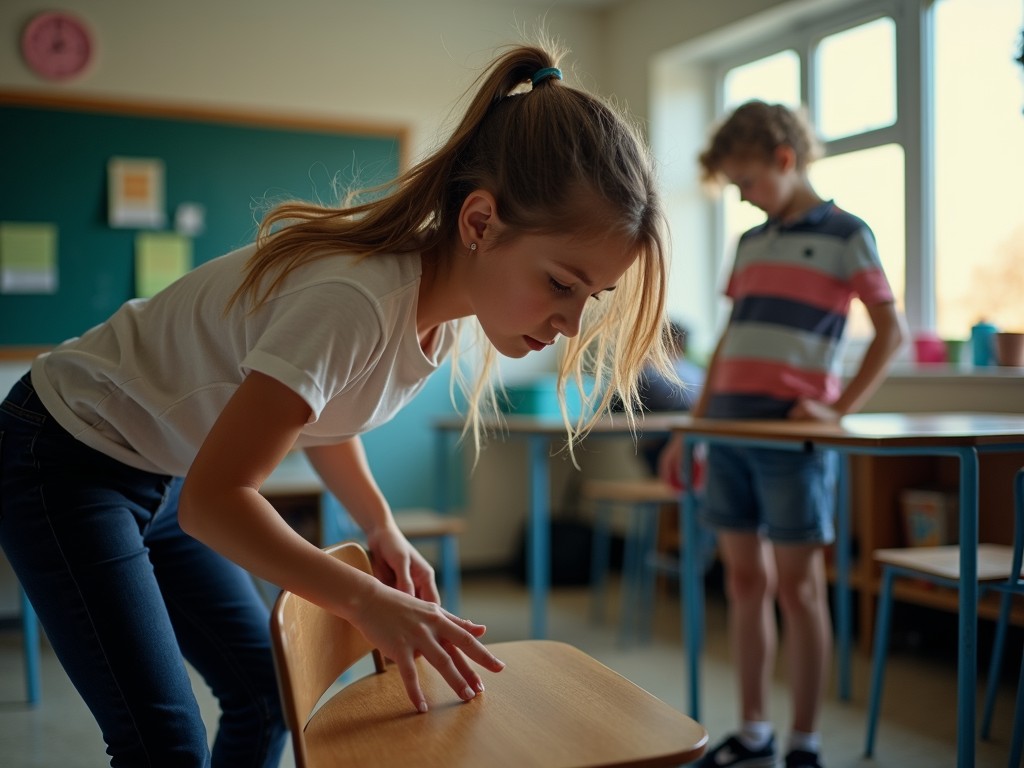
x: 930, y: 517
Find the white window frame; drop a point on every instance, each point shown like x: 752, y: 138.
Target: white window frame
x: 913, y: 129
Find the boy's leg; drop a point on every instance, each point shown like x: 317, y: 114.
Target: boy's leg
x: 798, y: 489
x: 223, y: 628
x: 803, y: 600
x: 750, y: 588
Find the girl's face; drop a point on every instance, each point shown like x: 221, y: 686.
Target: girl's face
x: 527, y: 292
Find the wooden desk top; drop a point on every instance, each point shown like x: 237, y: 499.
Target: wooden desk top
x: 860, y: 429
x: 596, y: 718
x: 873, y: 429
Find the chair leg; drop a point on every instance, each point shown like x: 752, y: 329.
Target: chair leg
x: 600, y: 555
x: 879, y: 651
x: 1017, y: 740
x: 649, y: 568
x: 30, y: 641
x: 996, y: 664
x: 632, y: 564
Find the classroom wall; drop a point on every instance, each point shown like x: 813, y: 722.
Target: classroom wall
x: 399, y: 61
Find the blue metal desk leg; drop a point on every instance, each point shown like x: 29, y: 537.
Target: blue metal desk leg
x: 539, y: 561
x: 30, y: 639
x: 842, y: 586
x: 691, y: 590
x: 450, y: 578
x: 442, y: 469
x: 967, y: 673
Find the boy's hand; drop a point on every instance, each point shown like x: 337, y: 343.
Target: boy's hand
x: 814, y: 410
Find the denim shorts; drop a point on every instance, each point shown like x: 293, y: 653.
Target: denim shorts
x: 787, y: 496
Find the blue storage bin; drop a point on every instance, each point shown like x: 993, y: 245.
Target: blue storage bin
x: 539, y: 397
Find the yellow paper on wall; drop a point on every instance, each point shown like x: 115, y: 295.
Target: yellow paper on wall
x: 28, y: 257
x: 160, y: 259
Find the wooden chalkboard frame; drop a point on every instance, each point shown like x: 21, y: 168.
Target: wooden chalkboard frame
x: 202, y: 114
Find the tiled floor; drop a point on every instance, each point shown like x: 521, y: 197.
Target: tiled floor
x: 917, y: 729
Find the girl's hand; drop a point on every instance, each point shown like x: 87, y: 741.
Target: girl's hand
x: 404, y: 627
x: 398, y: 564
x: 814, y: 410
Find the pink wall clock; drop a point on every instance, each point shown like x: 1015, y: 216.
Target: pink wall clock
x: 57, y: 45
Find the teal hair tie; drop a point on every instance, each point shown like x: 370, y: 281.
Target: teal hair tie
x: 543, y: 74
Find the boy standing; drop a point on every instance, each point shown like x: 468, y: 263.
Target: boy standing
x: 791, y: 286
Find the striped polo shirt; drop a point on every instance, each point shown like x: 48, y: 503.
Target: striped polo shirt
x: 791, y: 287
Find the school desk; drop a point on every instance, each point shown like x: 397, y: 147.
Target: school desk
x: 961, y: 435
x: 540, y: 433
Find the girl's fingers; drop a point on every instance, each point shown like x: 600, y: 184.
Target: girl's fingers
x: 477, y: 651
x: 403, y: 581
x: 411, y: 680
x: 469, y: 674
x: 477, y: 630
x: 440, y: 659
x: 427, y: 590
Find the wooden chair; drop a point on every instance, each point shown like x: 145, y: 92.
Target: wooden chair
x: 999, y: 569
x: 551, y: 706
x: 419, y: 525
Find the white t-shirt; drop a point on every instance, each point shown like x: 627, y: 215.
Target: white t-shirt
x: 146, y: 386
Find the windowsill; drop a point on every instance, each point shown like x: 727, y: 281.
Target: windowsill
x: 942, y: 373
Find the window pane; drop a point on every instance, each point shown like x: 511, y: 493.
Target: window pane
x: 979, y: 154
x: 857, y: 79
x: 870, y: 184
x: 775, y: 79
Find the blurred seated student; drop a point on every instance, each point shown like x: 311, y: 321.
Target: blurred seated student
x: 657, y: 393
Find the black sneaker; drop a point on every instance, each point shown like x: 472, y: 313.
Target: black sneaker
x: 732, y: 752
x: 801, y: 758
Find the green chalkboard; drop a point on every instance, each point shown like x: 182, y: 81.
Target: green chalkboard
x: 53, y: 169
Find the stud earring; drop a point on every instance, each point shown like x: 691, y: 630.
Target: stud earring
x: 472, y: 247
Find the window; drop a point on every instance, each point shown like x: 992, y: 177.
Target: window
x: 919, y: 105
x: 857, y: 79
x: 979, y: 154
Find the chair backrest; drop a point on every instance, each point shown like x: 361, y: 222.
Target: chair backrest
x: 312, y: 648
x: 1018, y: 524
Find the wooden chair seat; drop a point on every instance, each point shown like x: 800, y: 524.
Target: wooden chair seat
x: 417, y: 523
x: 639, y: 491
x: 994, y: 560
x: 552, y: 706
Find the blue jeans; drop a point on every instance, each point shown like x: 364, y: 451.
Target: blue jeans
x: 126, y: 597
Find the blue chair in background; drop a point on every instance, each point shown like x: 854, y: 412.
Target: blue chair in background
x: 644, y: 553
x: 999, y: 569
x: 1013, y: 586
x: 418, y: 526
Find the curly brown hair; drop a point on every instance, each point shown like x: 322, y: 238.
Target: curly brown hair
x: 755, y: 130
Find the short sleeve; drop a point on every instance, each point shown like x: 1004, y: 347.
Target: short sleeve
x: 863, y: 267
x: 315, y: 340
